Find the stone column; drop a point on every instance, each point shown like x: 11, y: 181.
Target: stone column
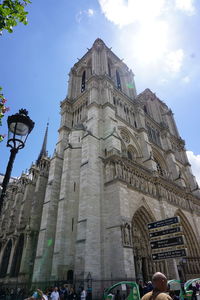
x: 33, y: 227
x: 172, y: 269
x: 64, y: 249
x: 25, y: 208
x: 88, y: 243
x: 44, y: 254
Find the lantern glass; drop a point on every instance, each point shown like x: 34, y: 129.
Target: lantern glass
x: 19, y: 128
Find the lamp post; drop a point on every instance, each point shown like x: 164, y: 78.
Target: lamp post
x: 19, y: 127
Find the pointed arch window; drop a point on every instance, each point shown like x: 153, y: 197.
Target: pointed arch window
x: 153, y: 134
x: 109, y: 70
x: 130, y: 155
x: 16, y: 262
x: 118, y: 80
x: 5, y: 259
x: 159, y: 168
x: 145, y: 109
x: 83, y: 82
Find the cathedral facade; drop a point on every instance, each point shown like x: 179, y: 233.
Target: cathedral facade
x: 118, y: 165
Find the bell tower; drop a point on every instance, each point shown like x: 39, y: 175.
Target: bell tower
x: 113, y: 171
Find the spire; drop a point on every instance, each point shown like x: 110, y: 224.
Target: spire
x: 44, y: 146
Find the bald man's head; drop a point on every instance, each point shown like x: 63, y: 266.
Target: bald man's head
x: 159, y: 281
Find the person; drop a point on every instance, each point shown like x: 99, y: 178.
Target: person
x: 141, y: 289
x: 197, y: 286
x: 83, y: 294
x: 72, y: 295
x: 159, y: 282
x: 173, y: 295
x: 55, y: 295
x: 45, y: 295
x: 66, y: 292
x: 149, y: 286
x: 61, y: 292
x: 111, y: 296
x: 118, y: 296
x: 89, y: 293
x: 12, y: 294
x: 194, y: 291
x: 38, y: 294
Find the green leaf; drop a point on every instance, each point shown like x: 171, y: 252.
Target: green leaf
x: 12, y: 12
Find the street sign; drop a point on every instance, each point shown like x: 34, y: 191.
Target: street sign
x: 169, y: 254
x: 169, y: 242
x: 159, y: 238
x: 164, y: 227
x: 161, y: 250
x: 167, y: 239
x: 165, y: 222
x: 160, y: 233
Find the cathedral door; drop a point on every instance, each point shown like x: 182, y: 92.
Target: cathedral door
x: 144, y: 266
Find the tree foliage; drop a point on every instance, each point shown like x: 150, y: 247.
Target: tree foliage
x: 3, y: 109
x: 12, y: 12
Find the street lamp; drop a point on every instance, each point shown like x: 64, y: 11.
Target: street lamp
x: 19, y: 127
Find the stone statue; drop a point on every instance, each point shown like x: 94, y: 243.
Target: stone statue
x: 126, y: 233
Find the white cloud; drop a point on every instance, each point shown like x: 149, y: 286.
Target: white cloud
x: 186, y: 79
x: 152, y: 41
x: 150, y: 36
x: 122, y: 12
x: 195, y: 164
x: 163, y: 81
x: 79, y: 16
x: 89, y: 13
x: 174, y: 60
x: 186, y: 6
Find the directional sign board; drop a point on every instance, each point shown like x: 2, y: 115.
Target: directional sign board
x: 179, y: 247
x: 166, y: 239
x: 169, y: 254
x: 168, y: 231
x: 159, y: 238
x: 166, y: 222
x: 167, y: 242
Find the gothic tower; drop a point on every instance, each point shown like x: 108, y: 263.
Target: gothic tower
x: 119, y: 164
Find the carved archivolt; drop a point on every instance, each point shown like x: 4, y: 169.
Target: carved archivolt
x: 125, y: 136
x: 192, y: 264
x: 144, y: 266
x: 160, y: 162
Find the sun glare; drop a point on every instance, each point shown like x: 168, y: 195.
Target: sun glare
x: 151, y: 41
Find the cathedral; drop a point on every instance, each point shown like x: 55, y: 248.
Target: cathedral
x: 119, y: 164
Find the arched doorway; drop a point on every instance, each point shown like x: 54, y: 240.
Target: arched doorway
x: 144, y: 266
x: 16, y: 262
x: 191, y: 264
x: 70, y: 275
x: 5, y: 259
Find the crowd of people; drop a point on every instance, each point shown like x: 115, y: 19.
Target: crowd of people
x: 12, y: 293
x: 157, y: 289
x: 64, y: 292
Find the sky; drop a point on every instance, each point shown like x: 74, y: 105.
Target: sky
x: 158, y: 39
